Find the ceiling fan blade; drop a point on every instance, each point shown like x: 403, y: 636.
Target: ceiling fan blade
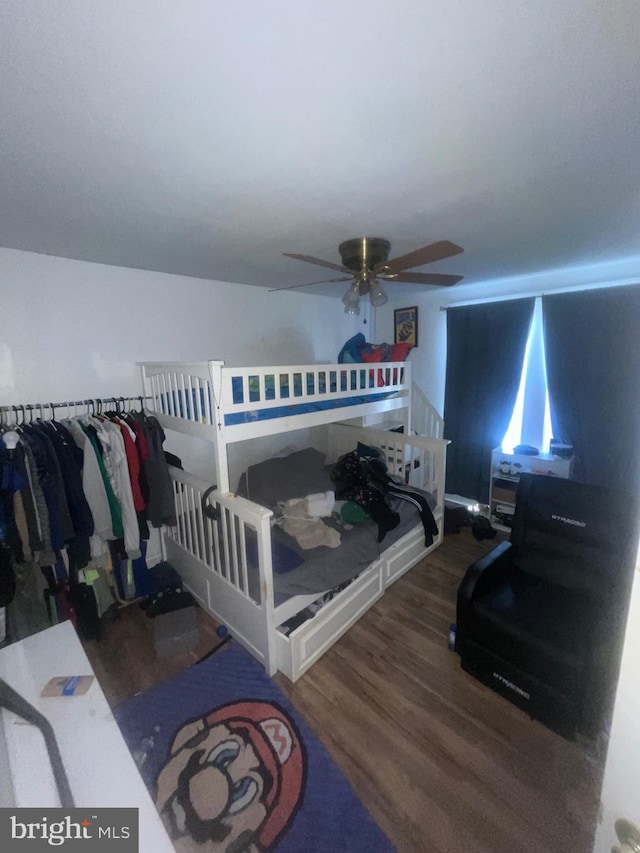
x: 310, y: 260
x: 309, y: 283
x: 426, y: 255
x: 436, y: 279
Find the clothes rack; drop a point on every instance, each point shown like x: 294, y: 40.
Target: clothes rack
x: 96, y: 404
x: 92, y: 479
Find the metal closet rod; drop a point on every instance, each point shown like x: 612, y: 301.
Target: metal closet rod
x: 91, y: 401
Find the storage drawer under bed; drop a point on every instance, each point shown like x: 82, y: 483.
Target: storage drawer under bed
x: 406, y: 552
x: 301, y: 648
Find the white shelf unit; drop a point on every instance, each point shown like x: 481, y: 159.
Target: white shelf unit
x: 505, y: 476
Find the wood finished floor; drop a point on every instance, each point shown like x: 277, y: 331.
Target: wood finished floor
x: 441, y: 762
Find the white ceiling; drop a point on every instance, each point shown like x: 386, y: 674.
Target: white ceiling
x: 207, y: 138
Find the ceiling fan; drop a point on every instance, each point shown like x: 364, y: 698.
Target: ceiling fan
x: 365, y: 260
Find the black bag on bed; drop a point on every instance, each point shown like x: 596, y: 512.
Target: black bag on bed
x: 362, y: 476
x: 354, y: 481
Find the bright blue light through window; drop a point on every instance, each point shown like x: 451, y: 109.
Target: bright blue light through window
x: 531, y: 419
x: 514, y: 430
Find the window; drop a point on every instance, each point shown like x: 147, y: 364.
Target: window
x: 531, y: 419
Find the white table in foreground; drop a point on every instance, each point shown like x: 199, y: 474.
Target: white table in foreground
x: 101, y: 770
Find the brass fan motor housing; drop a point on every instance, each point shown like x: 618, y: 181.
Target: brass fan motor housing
x: 363, y: 253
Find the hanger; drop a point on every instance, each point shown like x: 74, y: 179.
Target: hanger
x: 51, y: 422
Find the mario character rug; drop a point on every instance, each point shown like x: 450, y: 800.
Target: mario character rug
x: 233, y: 768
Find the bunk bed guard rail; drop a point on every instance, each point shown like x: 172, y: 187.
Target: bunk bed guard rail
x: 222, y: 405
x: 222, y: 544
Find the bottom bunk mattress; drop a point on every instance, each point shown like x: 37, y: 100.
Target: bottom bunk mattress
x: 277, y: 484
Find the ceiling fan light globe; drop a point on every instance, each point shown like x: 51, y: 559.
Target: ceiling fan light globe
x: 378, y: 301
x: 351, y: 299
x: 376, y: 294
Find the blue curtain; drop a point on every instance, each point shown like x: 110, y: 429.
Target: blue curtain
x: 485, y: 352
x: 592, y: 342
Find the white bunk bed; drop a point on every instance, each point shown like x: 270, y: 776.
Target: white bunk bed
x: 225, y: 405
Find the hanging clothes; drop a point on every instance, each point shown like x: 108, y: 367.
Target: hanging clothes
x: 70, y: 459
x: 40, y: 528
x: 93, y: 486
x: 160, y: 506
x: 116, y: 463
x: 133, y: 462
x: 115, y: 510
x: 9, y: 483
x: 85, y: 488
x: 50, y: 477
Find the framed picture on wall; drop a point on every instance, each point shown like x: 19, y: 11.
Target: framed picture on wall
x: 405, y: 326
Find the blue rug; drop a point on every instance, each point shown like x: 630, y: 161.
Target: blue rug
x: 233, y: 767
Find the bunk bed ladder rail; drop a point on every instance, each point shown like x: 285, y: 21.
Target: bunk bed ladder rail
x: 425, y: 418
x: 214, y: 559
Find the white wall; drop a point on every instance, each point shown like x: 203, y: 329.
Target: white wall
x: 429, y: 358
x: 71, y: 329
x: 621, y: 786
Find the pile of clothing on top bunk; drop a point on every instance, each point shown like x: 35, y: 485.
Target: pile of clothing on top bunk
x: 357, y: 350
x: 77, y: 498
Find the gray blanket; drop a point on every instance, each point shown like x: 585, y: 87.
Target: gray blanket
x: 295, y: 476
